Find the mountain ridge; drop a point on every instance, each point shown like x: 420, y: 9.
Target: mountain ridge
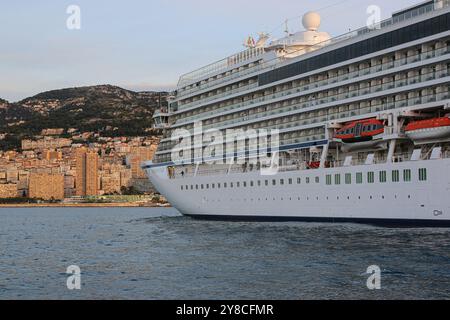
x: 104, y: 109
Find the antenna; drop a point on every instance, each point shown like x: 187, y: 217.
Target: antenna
x: 286, y: 30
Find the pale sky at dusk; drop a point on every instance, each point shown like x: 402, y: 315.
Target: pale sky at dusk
x: 145, y: 44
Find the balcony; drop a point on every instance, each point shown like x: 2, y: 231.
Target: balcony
x: 353, y: 75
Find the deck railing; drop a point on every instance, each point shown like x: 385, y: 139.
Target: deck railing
x: 222, y: 65
x: 317, y: 84
x: 206, y: 170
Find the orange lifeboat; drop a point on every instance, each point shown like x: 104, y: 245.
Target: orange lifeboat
x: 431, y: 129
x: 360, y: 131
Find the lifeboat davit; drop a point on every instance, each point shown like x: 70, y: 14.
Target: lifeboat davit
x: 431, y: 129
x: 360, y: 131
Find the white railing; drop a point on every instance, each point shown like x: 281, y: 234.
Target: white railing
x: 313, y: 85
x: 206, y: 170
x: 222, y: 65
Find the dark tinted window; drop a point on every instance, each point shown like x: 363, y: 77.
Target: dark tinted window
x: 381, y: 42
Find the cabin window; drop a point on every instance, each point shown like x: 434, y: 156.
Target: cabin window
x: 317, y: 180
x: 218, y: 186
x: 192, y: 187
x: 203, y: 187
x: 359, y: 178
x: 370, y: 177
x: 182, y: 187
x: 274, y: 182
x: 407, y: 175
x: 299, y: 180
x: 267, y: 183
x: 337, y: 179
x: 231, y: 184
x: 423, y: 174
x: 238, y: 184
x: 207, y: 186
x: 252, y: 184
x: 348, y: 178
x: 196, y: 186
x: 282, y: 182
x: 395, y: 176
x: 225, y: 185
x: 383, y: 176
x: 290, y: 181
x: 259, y: 183
x: 308, y: 180
x: 328, y: 179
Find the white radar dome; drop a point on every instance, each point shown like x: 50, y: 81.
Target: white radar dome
x: 311, y: 21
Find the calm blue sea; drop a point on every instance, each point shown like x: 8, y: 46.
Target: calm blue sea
x: 157, y: 254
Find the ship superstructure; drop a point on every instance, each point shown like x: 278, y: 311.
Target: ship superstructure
x: 362, y: 122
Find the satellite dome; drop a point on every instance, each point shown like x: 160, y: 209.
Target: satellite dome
x: 311, y: 21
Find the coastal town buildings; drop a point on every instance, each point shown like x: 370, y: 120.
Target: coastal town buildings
x: 54, y: 168
x: 46, y: 143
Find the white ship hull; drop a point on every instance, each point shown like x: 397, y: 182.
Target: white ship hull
x: 309, y: 91
x: 424, y: 203
x: 429, y: 134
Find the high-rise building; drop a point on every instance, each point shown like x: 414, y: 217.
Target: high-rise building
x: 47, y: 186
x: 87, y: 173
x: 52, y: 155
x: 137, y: 157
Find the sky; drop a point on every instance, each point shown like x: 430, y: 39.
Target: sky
x: 146, y: 44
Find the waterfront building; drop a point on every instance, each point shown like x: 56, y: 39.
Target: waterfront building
x: 8, y: 190
x: 87, y: 181
x: 46, y: 186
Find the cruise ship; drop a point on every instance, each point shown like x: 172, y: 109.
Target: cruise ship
x: 353, y: 128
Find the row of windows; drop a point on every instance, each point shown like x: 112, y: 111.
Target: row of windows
x: 322, y: 79
x: 244, y: 184
x: 388, y: 40
x: 382, y: 177
x: 395, y: 177
x: 316, y: 198
x: 365, y: 128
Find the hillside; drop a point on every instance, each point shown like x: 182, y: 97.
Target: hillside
x: 3, y: 103
x: 105, y: 109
